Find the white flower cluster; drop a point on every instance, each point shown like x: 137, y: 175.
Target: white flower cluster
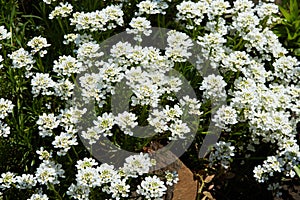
x: 169, y: 119
x: 46, y: 124
x: 265, y: 94
x: 225, y: 116
x: 88, y: 52
x: 178, y: 46
x: 284, y: 163
x: 152, y: 188
x: 102, y: 20
x: 139, y: 26
x: 63, y: 10
x: 152, y: 7
x: 37, y: 43
x: 171, y: 177
x: 148, y: 62
x: 68, y: 120
x: 6, y: 107
x: 222, y: 154
x: 67, y: 65
x: 47, y: 173
x: 126, y: 121
x: 137, y: 165
x: 6, y: 180
x: 3, y: 35
x: 38, y: 197
x: 263, y: 80
x: 115, y: 182
x: 192, y: 13
x: 49, y: 1
x: 214, y: 87
x: 22, y: 58
x: 42, y: 83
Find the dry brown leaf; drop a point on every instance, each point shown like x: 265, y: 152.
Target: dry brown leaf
x: 208, y: 195
x: 208, y: 179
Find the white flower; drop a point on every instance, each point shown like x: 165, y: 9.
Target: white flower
x: 259, y: 173
x: 105, y: 19
x: 46, y: 124
x: 178, y: 130
x: 178, y: 46
x: 49, y: 1
x: 159, y: 120
x: 192, y: 13
x: 88, y: 53
x: 242, y: 6
x: 38, y: 197
x: 4, y: 130
x: 126, y: 121
x: 171, y: 177
x: 25, y: 181
x: 4, y: 34
x: 147, y: 93
x: 139, y: 26
x: 71, y: 37
x: 104, y: 123
x: 284, y: 67
x: 222, y: 154
x: 42, y: 83
x: 268, y: 10
x: 119, y: 188
x: 63, y: 10
x: 6, y: 180
x: 111, y: 72
x: 64, y: 89
x: 6, y: 107
x: 21, y: 58
x: 44, y: 154
x: 71, y: 116
x: 191, y: 105
x: 48, y: 172
x: 79, y: 192
x: 86, y: 162
x: 137, y: 165
x: 152, y: 188
x: 37, y: 43
x: 106, y: 173
x: 225, y: 116
x: 92, y: 135
x: 152, y: 7
x: 217, y: 8
x: 64, y: 141
x: 172, y: 113
x: 87, y: 177
x: 214, y: 87
x: 245, y: 21
x: 67, y: 65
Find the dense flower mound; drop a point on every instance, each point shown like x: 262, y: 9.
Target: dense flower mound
x: 258, y: 79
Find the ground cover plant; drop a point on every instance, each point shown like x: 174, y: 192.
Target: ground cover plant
x: 52, y: 49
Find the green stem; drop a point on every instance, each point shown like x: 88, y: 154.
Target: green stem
x: 51, y: 187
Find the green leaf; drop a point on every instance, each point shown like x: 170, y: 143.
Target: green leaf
x: 294, y: 9
x: 297, y: 51
x: 32, y: 16
x: 289, y: 33
x: 285, y: 13
x: 296, y: 23
x: 297, y: 170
